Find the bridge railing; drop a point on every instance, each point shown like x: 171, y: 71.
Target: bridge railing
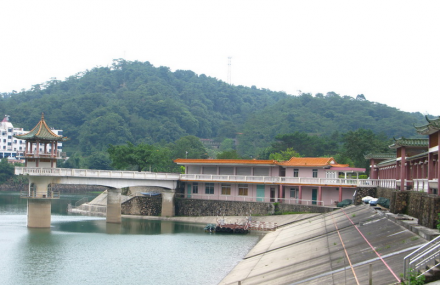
x: 33, y: 194
x: 281, y: 180
x: 39, y: 171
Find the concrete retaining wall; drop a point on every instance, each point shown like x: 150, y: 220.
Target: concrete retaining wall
x: 152, y: 206
x: 420, y: 205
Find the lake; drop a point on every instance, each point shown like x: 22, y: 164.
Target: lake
x: 87, y: 250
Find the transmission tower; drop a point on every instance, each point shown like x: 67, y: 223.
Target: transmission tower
x: 229, y: 70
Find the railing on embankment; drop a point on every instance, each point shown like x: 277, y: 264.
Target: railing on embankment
x: 424, y: 259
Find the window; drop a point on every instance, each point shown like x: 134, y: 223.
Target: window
x: 209, y: 188
x: 295, y: 172
x: 315, y: 173
x: 226, y: 189
x: 293, y: 192
x: 242, y: 189
x: 195, y: 188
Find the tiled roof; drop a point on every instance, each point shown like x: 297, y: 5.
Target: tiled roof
x: 223, y: 161
x: 41, y: 132
x: 432, y: 126
x: 310, y: 161
x: 380, y: 156
x: 294, y: 161
x: 420, y: 143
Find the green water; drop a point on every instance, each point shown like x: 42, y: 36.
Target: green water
x: 87, y: 250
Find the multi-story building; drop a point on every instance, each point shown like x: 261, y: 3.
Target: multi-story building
x: 13, y: 148
x: 414, y: 166
x: 300, y: 180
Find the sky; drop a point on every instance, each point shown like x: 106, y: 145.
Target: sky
x: 387, y: 50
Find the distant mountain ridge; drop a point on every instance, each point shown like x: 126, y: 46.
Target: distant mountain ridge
x: 140, y: 103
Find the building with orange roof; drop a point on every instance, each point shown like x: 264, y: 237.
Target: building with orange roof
x: 300, y: 180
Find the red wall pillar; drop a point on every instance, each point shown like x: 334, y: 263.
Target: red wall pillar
x: 320, y: 193
x: 300, y: 194
x: 340, y: 194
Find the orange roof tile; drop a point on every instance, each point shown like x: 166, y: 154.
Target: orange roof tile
x: 309, y: 161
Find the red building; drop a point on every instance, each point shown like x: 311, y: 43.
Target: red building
x: 415, y: 164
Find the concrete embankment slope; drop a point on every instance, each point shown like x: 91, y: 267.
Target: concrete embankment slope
x: 320, y: 249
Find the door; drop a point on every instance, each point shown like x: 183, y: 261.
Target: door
x: 272, y: 194
x: 260, y: 193
x: 188, y: 190
x: 314, y: 196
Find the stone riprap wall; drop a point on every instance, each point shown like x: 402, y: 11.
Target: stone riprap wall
x: 420, y: 205
x: 363, y: 192
x: 145, y: 206
x: 197, y: 207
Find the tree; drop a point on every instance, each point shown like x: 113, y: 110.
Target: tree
x: 99, y: 160
x: 360, y: 142
x: 227, y: 145
x: 188, y: 147
x: 142, y: 157
x: 6, y: 170
x: 229, y: 154
x: 284, y: 155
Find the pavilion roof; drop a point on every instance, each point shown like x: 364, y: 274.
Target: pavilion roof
x: 380, y: 156
x: 418, y: 143
x: 430, y: 128
x: 41, y: 132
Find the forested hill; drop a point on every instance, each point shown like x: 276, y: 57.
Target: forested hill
x: 140, y: 103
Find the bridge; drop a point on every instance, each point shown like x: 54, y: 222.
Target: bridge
x: 41, y: 179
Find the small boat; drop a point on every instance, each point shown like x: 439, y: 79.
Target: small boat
x: 210, y: 228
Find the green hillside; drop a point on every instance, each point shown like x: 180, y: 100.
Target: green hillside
x: 139, y: 103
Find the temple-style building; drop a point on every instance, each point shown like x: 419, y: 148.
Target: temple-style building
x: 12, y: 146
x: 414, y: 166
x: 41, y: 150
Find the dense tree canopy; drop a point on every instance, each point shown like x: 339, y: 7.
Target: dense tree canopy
x: 145, y: 105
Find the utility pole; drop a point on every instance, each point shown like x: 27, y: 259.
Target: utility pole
x: 229, y: 70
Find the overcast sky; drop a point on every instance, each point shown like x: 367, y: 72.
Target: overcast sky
x: 387, y: 50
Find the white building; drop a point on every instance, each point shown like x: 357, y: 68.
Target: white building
x: 13, y: 148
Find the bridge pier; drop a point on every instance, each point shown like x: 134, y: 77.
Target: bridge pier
x: 38, y: 213
x: 114, y: 205
x: 168, y: 208
x: 39, y: 202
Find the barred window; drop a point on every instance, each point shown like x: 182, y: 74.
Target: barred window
x: 243, y: 189
x: 226, y: 189
x: 295, y: 172
x: 315, y: 173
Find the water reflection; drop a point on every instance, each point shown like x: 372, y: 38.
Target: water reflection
x: 127, y: 226
x: 87, y: 250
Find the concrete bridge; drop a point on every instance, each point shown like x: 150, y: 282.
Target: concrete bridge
x: 41, y: 179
